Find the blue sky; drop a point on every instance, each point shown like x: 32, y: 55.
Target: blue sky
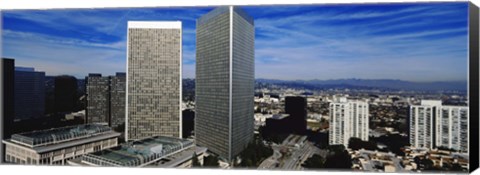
x: 414, y: 42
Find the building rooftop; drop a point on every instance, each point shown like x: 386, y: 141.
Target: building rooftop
x: 280, y: 116
x: 59, y: 135
x: 138, y: 153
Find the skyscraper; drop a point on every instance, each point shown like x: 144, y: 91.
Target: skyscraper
x: 452, y: 128
x: 98, y: 99
x: 296, y: 107
x: 224, y: 81
x: 433, y: 125
x: 154, y: 79
x: 348, y: 118
x: 117, y: 99
x: 422, y: 129
x: 7, y: 76
x: 106, y: 99
x: 65, y: 93
x: 29, y: 93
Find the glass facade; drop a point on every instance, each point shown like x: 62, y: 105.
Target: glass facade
x: 154, y: 81
x: 224, y: 81
x: 29, y: 94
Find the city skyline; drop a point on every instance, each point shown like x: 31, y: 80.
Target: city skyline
x: 409, y: 40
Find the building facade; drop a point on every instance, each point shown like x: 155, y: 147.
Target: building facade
x: 422, y: 127
x: 65, y: 93
x: 57, y: 146
x: 98, y: 99
x: 224, y: 88
x: 117, y: 102
x: 106, y: 99
x: 296, y: 107
x: 158, y: 151
x: 29, y: 93
x: 154, y: 79
x: 348, y: 118
x: 7, y: 76
x: 452, y: 128
x: 433, y: 125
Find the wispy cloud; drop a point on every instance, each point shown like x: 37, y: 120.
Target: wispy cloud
x: 419, y: 42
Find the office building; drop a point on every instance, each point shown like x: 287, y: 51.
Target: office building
x: 296, y: 107
x: 224, y: 84
x: 98, y: 99
x: 154, y: 79
x: 106, y: 99
x: 29, y: 93
x: 348, y: 118
x: 65, y: 94
x: 7, y: 76
x: 117, y: 99
x: 158, y: 151
x: 433, y: 125
x: 277, y: 126
x: 56, y: 146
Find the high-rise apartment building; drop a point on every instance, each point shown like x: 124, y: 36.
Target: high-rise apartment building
x: 452, y: 128
x: 433, y: 125
x: 7, y: 76
x: 224, y: 87
x: 29, y: 93
x: 154, y: 79
x: 106, y: 99
x: 348, y: 118
x: 422, y: 118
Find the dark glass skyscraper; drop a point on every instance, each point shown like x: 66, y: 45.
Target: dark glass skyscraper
x: 29, y: 93
x: 7, y: 76
x: 296, y: 107
x: 65, y: 93
x: 224, y: 81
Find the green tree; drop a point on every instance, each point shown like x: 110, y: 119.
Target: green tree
x: 254, y: 154
x: 356, y: 144
x: 314, y: 162
x: 338, y: 158
x: 210, y: 161
x: 195, y: 162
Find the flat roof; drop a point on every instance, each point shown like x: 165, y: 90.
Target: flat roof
x: 71, y: 143
x: 155, y: 24
x: 138, y: 153
x: 58, y: 135
x: 180, y: 157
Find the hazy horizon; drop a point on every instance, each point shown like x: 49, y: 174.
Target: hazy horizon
x: 416, y: 42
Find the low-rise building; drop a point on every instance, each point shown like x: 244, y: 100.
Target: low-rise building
x: 158, y: 151
x: 56, y: 146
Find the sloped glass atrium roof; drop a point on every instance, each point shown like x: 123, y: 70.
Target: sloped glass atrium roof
x: 58, y: 135
x: 138, y: 153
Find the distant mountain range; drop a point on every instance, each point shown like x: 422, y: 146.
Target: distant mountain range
x: 371, y: 84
